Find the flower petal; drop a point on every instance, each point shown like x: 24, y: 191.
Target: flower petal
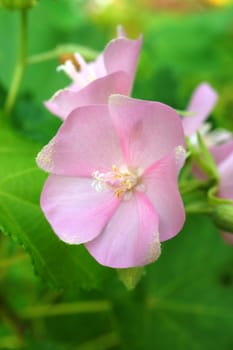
x: 148, y: 130
x: 85, y: 142
x: 97, y: 92
x: 202, y: 102
x: 122, y: 55
x: 74, y: 209
x: 90, y: 71
x: 131, y: 237
x: 162, y: 189
x: 221, y: 152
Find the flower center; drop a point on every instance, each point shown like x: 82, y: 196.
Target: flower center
x: 121, y: 180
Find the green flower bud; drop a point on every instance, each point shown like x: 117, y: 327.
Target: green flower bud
x: 223, y: 217
x: 17, y: 4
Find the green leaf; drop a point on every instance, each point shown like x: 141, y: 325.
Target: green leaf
x: 40, y: 129
x: 185, y: 300
x: 61, y: 265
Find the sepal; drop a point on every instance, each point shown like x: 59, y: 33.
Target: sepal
x: 130, y: 277
x: 223, y: 217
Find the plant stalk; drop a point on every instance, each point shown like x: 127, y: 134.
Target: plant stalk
x: 41, y: 311
x: 20, y: 65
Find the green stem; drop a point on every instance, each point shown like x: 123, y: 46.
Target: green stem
x: 89, y: 54
x: 192, y: 185
x: 66, y: 309
x: 203, y: 158
x: 208, y: 157
x: 214, y: 200
x: 20, y: 65
x: 197, y: 209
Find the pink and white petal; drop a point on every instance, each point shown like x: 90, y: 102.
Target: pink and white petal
x: 98, y: 67
x: 180, y: 157
x: 131, y: 237
x: 59, y: 102
x: 226, y: 178
x: 221, y: 152
x: 97, y: 92
x: 122, y: 54
x: 147, y: 130
x: 74, y: 209
x: 85, y: 142
x: 90, y: 71
x: 202, y: 103
x: 161, y: 186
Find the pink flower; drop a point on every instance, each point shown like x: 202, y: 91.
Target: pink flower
x: 219, y: 142
x: 113, y: 182
x: 201, y: 105
x: 111, y: 73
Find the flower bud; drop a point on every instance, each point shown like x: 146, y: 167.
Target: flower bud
x: 223, y: 217
x: 17, y: 4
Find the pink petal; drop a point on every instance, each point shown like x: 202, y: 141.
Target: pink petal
x: 221, y: 152
x: 74, y: 209
x: 98, y: 66
x: 122, y: 55
x: 85, y: 142
x: 226, y: 178
x: 97, y: 92
x: 202, y: 103
x: 162, y: 189
x: 227, y: 237
x: 87, y: 71
x: 180, y: 157
x: 90, y: 71
x: 148, y: 130
x: 131, y: 237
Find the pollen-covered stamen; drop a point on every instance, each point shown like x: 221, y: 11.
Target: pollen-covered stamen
x: 120, y: 180
x: 90, y: 74
x: 81, y: 72
x: 69, y: 68
x: 211, y: 137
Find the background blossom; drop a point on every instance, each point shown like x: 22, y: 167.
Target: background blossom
x: 112, y: 72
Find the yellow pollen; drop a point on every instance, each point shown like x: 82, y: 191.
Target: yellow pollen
x: 120, y: 180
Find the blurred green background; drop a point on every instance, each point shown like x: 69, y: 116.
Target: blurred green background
x: 185, y: 300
